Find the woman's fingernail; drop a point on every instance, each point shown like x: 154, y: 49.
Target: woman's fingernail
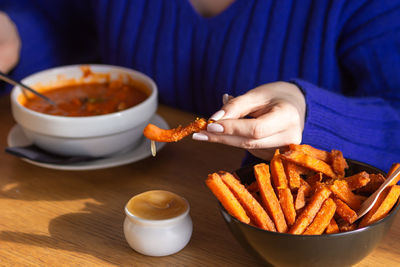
x: 199, y: 137
x: 225, y: 98
x: 217, y: 115
x: 215, y: 127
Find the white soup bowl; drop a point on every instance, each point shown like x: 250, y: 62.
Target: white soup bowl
x: 93, y: 136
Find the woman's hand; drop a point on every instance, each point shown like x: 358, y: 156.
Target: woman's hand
x: 261, y: 120
x: 10, y: 43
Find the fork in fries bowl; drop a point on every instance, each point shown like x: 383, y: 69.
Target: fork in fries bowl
x: 282, y: 227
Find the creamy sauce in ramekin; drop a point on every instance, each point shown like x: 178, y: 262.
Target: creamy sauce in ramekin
x: 157, y: 205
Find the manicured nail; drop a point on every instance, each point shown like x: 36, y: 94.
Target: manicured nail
x: 225, y: 98
x: 215, y: 127
x: 217, y: 115
x: 200, y: 137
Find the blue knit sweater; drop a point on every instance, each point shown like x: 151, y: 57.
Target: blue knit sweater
x: 343, y: 54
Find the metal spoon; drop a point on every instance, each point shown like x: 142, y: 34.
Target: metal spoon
x: 370, y: 201
x: 7, y: 79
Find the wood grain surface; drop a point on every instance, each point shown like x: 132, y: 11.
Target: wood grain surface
x: 74, y: 218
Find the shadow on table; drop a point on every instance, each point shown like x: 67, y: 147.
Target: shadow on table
x: 90, y: 232
x: 97, y: 229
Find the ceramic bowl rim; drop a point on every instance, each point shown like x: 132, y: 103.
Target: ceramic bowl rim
x: 393, y: 212
x: 17, y: 91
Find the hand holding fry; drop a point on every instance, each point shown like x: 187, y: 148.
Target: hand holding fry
x: 269, y: 116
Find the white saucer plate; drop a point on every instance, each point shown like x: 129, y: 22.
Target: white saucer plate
x: 16, y: 137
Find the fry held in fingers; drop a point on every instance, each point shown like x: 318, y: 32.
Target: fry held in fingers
x: 155, y: 133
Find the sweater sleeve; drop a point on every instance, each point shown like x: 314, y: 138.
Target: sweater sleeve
x: 363, y: 121
x: 51, y: 34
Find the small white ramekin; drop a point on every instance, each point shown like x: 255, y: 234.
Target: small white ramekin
x: 158, y: 237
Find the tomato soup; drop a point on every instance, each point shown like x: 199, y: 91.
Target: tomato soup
x: 90, y: 99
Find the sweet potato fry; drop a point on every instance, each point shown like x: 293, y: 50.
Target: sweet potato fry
x: 317, y: 186
x: 226, y: 197
x: 278, y: 174
x: 304, y: 171
x: 303, y: 193
x: 383, y: 205
x: 394, y: 167
x: 309, y: 212
x: 322, y: 219
x: 256, y: 197
x: 341, y: 190
x: 286, y: 201
x: 344, y: 211
x: 307, y: 186
x: 300, y: 201
x: 375, y: 181
x: 310, y: 162
x: 358, y: 180
x: 253, y: 187
x: 345, y: 227
x: 285, y: 196
x: 154, y: 133
x: 304, y: 190
x: 316, y: 178
x: 293, y: 175
x: 313, y: 152
x: 261, y: 172
x: 332, y: 227
x: 254, y: 210
x: 339, y: 163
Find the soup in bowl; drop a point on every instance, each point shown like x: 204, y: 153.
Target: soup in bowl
x: 100, y: 109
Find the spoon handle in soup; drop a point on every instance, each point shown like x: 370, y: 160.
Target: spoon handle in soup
x: 7, y: 79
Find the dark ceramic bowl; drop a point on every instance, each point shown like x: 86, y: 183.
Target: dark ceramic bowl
x: 279, y: 249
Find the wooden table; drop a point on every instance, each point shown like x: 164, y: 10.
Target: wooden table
x: 56, y: 218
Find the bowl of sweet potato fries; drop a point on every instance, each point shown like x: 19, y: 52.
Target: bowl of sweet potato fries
x: 300, y: 209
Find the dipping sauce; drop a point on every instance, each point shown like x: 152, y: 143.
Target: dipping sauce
x: 157, y: 205
x: 89, y: 99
